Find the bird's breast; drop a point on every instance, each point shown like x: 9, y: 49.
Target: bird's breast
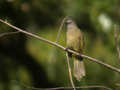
x: 71, y: 38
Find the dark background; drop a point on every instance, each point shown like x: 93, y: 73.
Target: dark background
x: 24, y: 59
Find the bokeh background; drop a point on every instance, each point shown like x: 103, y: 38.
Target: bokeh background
x: 26, y: 60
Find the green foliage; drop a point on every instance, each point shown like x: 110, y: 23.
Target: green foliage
x: 25, y: 59
x: 50, y: 57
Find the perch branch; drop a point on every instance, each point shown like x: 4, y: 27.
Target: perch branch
x: 61, y: 47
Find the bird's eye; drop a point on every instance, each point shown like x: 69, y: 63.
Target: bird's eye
x: 69, y: 21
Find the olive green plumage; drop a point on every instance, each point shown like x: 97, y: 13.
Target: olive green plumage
x: 76, y: 43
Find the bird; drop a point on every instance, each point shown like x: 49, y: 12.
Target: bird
x: 75, y: 42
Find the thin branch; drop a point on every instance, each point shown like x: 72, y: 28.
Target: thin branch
x: 68, y: 88
x: 116, y: 40
x: 68, y: 63
x: 81, y: 87
x: 61, y: 47
x: 32, y: 35
x: 58, y: 35
x: 60, y: 29
x: 70, y: 73
x: 8, y: 33
x: 60, y: 88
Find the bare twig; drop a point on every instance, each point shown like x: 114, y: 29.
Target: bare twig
x: 68, y: 63
x: 70, y: 73
x: 58, y: 35
x: 81, y: 87
x: 60, y: 88
x: 70, y: 88
x: 60, y: 29
x: 8, y: 33
x: 32, y: 35
x: 61, y: 47
x: 116, y: 31
x: 116, y: 40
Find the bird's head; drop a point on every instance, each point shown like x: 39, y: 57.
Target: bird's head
x: 70, y: 23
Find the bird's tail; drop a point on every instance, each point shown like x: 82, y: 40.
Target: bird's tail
x: 79, y: 69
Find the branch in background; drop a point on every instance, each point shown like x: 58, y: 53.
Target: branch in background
x: 81, y: 87
x: 60, y: 88
x: 116, y: 39
x: 60, y: 29
x: 8, y: 33
x: 61, y: 47
x: 70, y: 73
x: 70, y: 88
